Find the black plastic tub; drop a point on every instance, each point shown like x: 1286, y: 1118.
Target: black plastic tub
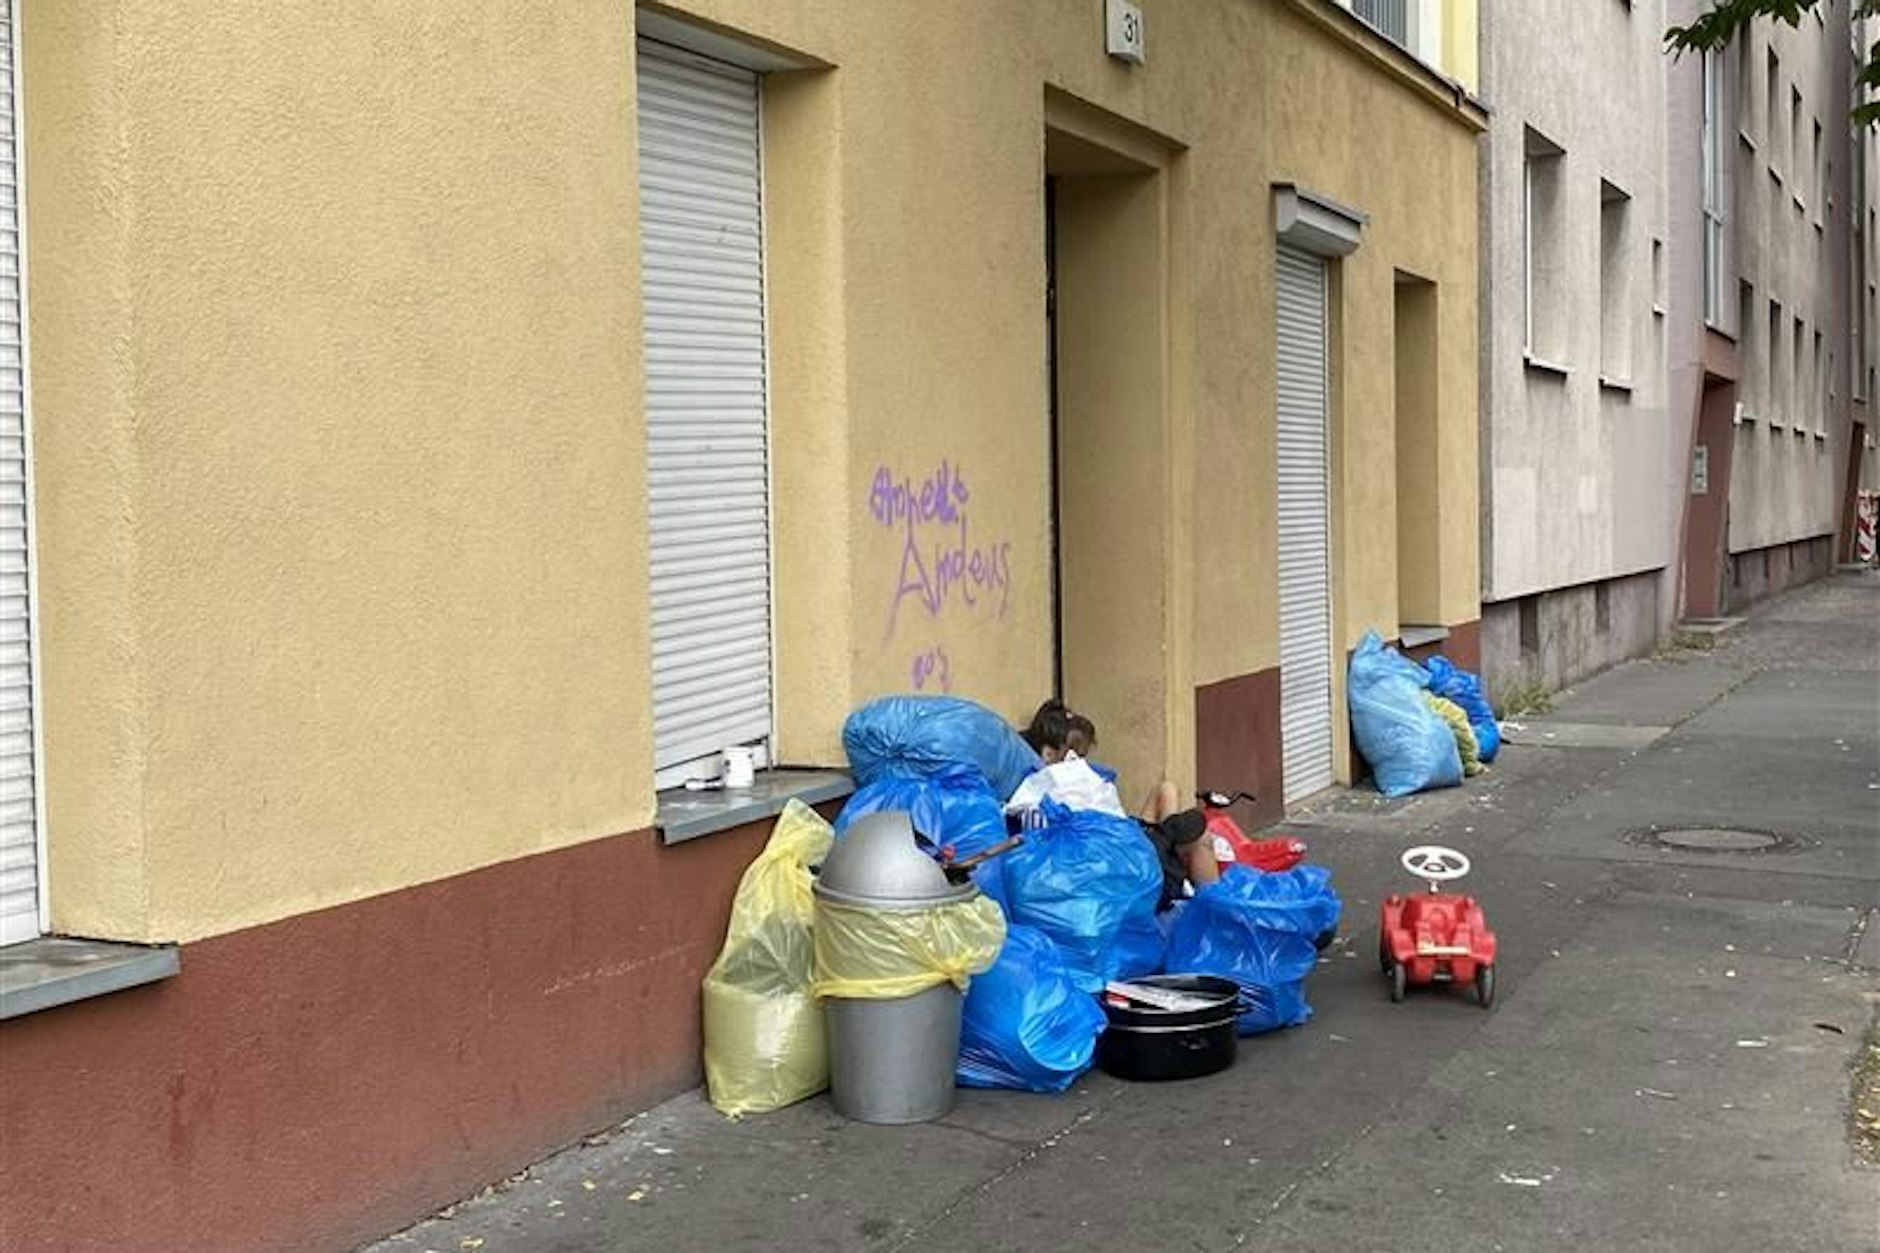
x: 1146, y: 1043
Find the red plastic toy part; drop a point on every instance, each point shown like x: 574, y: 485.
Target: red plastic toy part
x: 1233, y: 847
x: 1436, y: 937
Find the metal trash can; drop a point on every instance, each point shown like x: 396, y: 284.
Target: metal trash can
x: 890, y: 1060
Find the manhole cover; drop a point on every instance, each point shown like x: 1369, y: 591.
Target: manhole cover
x: 1716, y: 839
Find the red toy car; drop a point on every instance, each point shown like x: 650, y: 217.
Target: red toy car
x: 1436, y: 937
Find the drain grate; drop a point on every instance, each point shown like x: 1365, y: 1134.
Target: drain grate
x: 1715, y: 840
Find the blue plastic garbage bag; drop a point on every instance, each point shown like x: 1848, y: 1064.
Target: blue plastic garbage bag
x: 1026, y: 1023
x: 917, y: 736
x: 1408, y: 744
x: 1139, y: 947
x: 1465, y: 689
x: 953, y: 807
x: 1081, y: 878
x: 989, y: 878
x: 1257, y: 929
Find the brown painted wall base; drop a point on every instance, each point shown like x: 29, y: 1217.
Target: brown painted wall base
x: 1237, y: 745
x: 320, y: 1081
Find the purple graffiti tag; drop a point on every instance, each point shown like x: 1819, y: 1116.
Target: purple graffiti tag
x: 942, y: 559
x: 937, y: 498
x: 933, y: 666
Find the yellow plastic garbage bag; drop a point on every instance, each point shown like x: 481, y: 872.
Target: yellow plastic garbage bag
x: 882, y: 954
x: 1458, y: 721
x: 764, y: 1042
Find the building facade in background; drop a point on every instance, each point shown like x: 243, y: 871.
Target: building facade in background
x: 1768, y: 364
x: 1576, y: 435
x: 1860, y: 504
x: 1672, y: 355
x: 453, y: 426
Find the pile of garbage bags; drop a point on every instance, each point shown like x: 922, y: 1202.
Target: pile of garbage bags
x: 1419, y: 727
x: 1070, y: 908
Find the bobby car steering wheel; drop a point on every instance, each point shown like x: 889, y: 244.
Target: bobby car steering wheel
x: 1435, y: 863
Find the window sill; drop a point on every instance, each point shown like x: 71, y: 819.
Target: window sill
x: 1542, y: 366
x: 1607, y: 384
x: 1747, y: 141
x: 684, y: 815
x: 1659, y: 311
x: 1417, y: 636
x: 52, y: 971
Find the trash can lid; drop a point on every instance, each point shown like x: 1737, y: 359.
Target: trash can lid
x: 876, y: 862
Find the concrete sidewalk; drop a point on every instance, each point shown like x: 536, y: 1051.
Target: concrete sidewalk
x: 1667, y: 1067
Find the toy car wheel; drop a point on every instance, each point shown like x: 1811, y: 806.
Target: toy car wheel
x: 1398, y: 980
x: 1383, y: 955
x: 1485, y: 986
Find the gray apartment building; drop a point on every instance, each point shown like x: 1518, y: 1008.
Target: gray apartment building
x: 1767, y: 360
x: 1860, y: 496
x: 1578, y: 444
x: 1675, y: 365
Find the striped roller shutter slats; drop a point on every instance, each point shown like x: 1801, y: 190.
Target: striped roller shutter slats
x: 19, y: 824
x: 707, y: 453
x: 1305, y: 626
x: 1390, y: 16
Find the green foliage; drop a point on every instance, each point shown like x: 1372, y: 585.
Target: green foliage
x: 1713, y: 30
x: 1523, y: 696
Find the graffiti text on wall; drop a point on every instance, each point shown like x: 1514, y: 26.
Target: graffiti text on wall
x: 943, y: 560
x: 931, y: 668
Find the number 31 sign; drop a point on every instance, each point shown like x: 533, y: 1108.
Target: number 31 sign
x: 1125, y: 31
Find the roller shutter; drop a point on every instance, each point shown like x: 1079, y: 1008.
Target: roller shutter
x: 707, y: 427
x: 20, y: 886
x: 1305, y: 629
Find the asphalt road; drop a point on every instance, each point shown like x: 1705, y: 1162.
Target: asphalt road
x: 1666, y: 1066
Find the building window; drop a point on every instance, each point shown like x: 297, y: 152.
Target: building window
x: 1798, y: 382
x: 1745, y: 317
x: 1772, y: 387
x: 1392, y: 17
x: 23, y: 897
x: 1772, y: 84
x: 1818, y: 164
x: 1798, y: 178
x: 1820, y: 389
x: 1746, y: 88
x: 1615, y: 284
x: 1543, y: 245
x: 1712, y: 142
x: 707, y: 409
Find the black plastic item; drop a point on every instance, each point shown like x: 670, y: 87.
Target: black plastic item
x: 1145, y: 1043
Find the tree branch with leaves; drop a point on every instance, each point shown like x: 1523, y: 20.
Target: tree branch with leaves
x: 1713, y: 31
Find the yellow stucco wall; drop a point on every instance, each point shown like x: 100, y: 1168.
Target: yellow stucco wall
x: 336, y: 355
x: 336, y: 339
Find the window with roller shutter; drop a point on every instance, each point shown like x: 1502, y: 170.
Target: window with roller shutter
x: 22, y: 861
x: 701, y: 217
x: 1305, y: 593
